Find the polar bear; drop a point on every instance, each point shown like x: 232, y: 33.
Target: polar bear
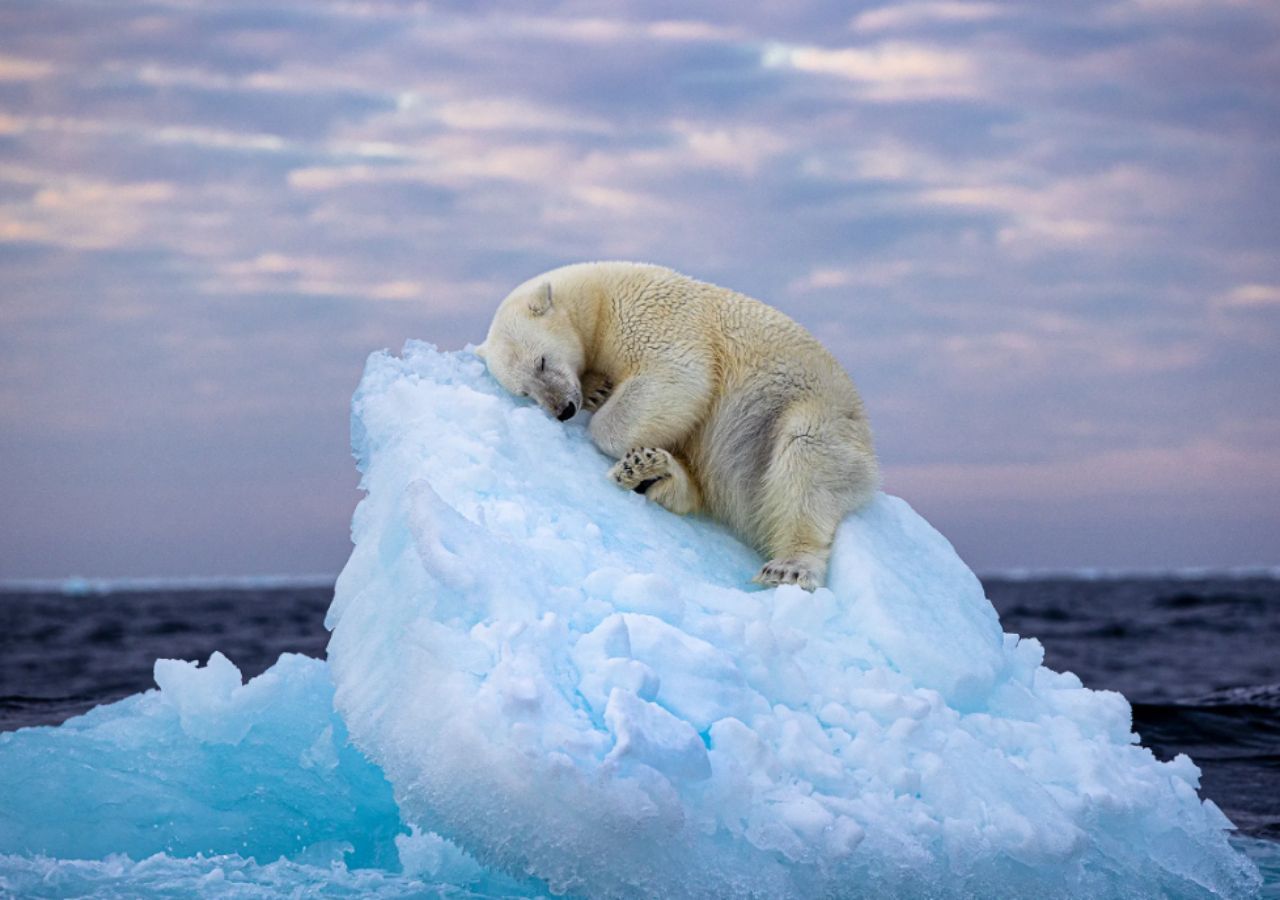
x: 710, y: 401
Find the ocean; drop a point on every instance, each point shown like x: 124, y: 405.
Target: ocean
x: 1195, y: 654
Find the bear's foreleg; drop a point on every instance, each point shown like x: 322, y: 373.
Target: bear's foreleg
x: 661, y: 477
x: 596, y: 389
x: 651, y: 410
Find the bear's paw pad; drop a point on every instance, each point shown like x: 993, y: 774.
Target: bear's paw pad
x: 641, y: 467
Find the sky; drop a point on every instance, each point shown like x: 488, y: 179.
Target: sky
x: 1043, y: 238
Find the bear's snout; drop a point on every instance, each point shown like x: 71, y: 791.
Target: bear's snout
x: 568, y: 412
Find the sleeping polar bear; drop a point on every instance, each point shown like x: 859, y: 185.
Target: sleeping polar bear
x: 710, y: 401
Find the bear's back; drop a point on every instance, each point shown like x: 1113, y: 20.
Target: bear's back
x: 653, y: 311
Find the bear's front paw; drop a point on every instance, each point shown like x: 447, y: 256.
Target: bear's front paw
x: 788, y: 571
x: 641, y: 467
x: 596, y: 389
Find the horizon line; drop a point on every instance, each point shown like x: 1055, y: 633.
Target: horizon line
x: 76, y: 585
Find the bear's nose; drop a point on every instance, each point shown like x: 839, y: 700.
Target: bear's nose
x: 567, y: 413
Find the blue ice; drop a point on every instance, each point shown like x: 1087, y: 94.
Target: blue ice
x: 538, y: 683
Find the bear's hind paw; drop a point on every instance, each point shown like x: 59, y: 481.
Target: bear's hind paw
x: 788, y: 571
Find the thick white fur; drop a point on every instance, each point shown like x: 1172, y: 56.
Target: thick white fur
x: 711, y: 400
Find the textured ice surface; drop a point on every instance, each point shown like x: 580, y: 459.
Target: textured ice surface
x: 214, y: 788
x: 206, y: 877
x: 204, y: 765
x: 570, y: 682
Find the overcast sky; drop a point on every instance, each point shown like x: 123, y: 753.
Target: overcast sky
x: 1043, y: 237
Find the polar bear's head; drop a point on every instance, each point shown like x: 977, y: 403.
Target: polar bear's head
x: 533, y: 350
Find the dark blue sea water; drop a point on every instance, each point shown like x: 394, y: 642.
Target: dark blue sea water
x: 1199, y: 657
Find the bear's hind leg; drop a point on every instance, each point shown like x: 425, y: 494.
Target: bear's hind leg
x: 661, y: 477
x: 821, y: 470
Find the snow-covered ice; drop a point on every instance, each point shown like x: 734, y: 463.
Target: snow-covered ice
x: 540, y: 683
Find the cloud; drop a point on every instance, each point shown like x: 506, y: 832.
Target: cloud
x: 1115, y: 204
x: 608, y: 31
x: 83, y: 213
x: 1247, y: 316
x: 887, y: 72
x: 276, y: 273
x: 910, y: 16
x: 504, y: 114
x: 1127, y: 10
x: 741, y: 148
x: 16, y: 68
x: 1250, y: 296
x: 1189, y: 469
x: 212, y: 138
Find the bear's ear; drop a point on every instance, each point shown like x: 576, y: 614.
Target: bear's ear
x: 540, y: 305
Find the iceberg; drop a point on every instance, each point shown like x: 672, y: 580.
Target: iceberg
x: 211, y: 787
x: 204, y: 765
x: 574, y: 685
x: 539, y: 684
